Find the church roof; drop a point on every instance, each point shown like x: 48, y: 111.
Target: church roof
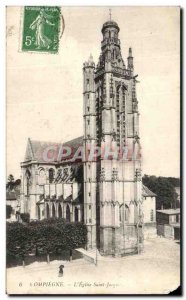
x: 146, y: 192
x: 35, y: 149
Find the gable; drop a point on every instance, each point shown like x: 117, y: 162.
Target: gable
x: 29, y: 155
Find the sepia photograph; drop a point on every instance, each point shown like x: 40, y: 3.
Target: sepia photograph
x: 93, y: 187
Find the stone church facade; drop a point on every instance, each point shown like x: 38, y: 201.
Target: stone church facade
x: 104, y: 192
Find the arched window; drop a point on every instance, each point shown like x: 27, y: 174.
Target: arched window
x: 121, y: 213
x: 68, y: 213
x: 28, y: 175
x: 59, y: 211
x: 47, y: 211
x: 51, y: 175
x: 38, y: 213
x: 126, y: 213
x: 88, y: 84
x: 76, y: 214
x: 53, y: 211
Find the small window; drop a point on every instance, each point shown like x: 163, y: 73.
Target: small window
x: 89, y: 194
x: 90, y: 220
x: 89, y: 206
x: 88, y: 122
x: 152, y: 215
x: 88, y: 108
x: 88, y: 96
x: 87, y: 84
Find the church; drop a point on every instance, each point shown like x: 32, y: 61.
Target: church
x: 104, y: 191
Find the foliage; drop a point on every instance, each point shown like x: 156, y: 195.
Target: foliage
x: 18, y: 240
x: 164, y: 188
x: 25, y: 217
x: 45, y: 236
x: 8, y: 211
x: 12, y: 183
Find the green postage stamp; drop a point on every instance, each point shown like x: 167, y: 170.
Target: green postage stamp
x: 41, y: 29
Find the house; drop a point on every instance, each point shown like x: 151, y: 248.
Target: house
x: 12, y: 204
x: 168, y: 223
x: 149, y: 212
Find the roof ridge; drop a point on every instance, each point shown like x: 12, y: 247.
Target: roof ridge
x: 30, y: 142
x: 39, y: 141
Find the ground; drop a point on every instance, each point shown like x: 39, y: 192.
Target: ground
x: 155, y: 271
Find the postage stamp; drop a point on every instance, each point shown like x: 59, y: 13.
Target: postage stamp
x: 41, y: 29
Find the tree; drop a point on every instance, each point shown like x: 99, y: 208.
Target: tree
x: 164, y: 188
x: 45, y: 235
x: 10, y: 182
x: 18, y: 241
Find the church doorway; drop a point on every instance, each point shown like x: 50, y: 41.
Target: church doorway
x: 47, y: 211
x: 53, y: 211
x: 68, y: 213
x: 59, y: 211
x: 76, y: 214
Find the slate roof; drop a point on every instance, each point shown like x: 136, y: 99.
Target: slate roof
x: 170, y: 211
x: 36, y: 149
x: 146, y: 192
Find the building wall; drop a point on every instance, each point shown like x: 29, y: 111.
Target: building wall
x: 163, y: 218
x: 37, y: 188
x: 149, y: 209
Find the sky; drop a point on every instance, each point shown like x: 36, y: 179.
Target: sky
x: 44, y: 91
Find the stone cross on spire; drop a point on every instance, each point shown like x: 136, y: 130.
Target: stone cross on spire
x: 110, y: 13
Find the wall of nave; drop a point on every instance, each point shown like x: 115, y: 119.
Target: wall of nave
x: 52, y: 209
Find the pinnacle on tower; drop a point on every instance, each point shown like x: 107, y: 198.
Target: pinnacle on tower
x: 130, y: 52
x: 130, y: 60
x: 90, y: 60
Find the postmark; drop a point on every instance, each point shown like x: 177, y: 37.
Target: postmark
x: 42, y: 29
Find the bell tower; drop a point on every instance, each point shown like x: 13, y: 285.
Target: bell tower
x: 119, y: 178
x: 112, y: 183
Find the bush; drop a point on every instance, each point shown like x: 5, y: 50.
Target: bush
x: 25, y: 217
x: 48, y: 235
x: 8, y: 211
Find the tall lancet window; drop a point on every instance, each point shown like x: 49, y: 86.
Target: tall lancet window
x: 126, y: 213
x: 28, y: 176
x: 88, y: 84
x: 51, y: 175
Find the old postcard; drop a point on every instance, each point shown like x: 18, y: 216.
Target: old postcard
x: 93, y: 150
